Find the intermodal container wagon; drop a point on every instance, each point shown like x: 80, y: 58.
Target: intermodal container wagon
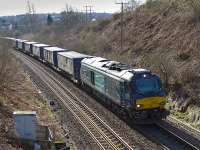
x: 29, y: 47
x: 50, y: 55
x: 21, y: 44
x: 38, y: 50
x: 70, y: 63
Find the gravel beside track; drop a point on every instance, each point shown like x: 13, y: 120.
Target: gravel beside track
x: 183, y: 126
x: 163, y: 136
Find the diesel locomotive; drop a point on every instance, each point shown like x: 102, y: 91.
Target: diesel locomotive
x: 138, y: 92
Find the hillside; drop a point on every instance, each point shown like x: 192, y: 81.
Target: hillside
x: 161, y: 35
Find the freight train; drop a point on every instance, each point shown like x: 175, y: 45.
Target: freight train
x: 135, y: 93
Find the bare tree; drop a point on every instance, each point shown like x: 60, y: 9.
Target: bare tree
x: 132, y: 5
x: 71, y: 17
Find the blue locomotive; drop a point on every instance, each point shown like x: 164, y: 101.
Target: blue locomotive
x: 137, y: 93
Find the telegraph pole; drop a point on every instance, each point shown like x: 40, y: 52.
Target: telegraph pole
x: 86, y: 13
x: 90, y: 13
x: 88, y: 10
x: 122, y: 24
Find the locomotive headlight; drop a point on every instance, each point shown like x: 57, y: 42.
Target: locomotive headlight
x: 162, y: 104
x: 138, y: 106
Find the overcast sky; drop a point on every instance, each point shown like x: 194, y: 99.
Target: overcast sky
x: 13, y: 7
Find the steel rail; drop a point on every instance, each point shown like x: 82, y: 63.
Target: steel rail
x: 177, y: 136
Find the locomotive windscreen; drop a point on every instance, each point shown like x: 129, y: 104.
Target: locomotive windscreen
x: 146, y: 85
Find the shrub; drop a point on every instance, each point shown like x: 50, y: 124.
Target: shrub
x: 1, y: 102
x: 116, y: 16
x: 101, y: 25
x: 195, y: 7
x: 184, y: 56
x: 152, y: 3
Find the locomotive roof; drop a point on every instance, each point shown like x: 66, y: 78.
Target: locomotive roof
x: 27, y: 42
x: 40, y: 45
x: 117, y: 69
x: 72, y: 54
x: 20, y: 40
x: 54, y: 49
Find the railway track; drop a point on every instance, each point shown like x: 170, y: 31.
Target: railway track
x: 188, y: 141
x: 185, y: 126
x: 170, y: 139
x: 101, y: 133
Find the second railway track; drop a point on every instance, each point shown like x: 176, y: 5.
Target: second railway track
x: 103, y: 135
x: 163, y: 135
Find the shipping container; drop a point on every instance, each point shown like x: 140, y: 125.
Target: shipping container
x: 16, y: 44
x: 29, y: 47
x: 21, y: 45
x: 25, y: 124
x: 38, y: 50
x: 50, y: 55
x: 70, y: 62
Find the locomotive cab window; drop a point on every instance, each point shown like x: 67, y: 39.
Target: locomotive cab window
x: 147, y: 85
x: 99, y: 81
x: 92, y: 77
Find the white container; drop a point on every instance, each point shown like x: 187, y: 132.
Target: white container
x: 21, y: 45
x: 37, y: 49
x: 29, y: 46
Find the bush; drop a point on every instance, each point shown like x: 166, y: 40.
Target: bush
x: 184, y: 56
x: 152, y: 3
x: 1, y: 102
x: 101, y: 24
x: 116, y: 16
x: 195, y: 4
